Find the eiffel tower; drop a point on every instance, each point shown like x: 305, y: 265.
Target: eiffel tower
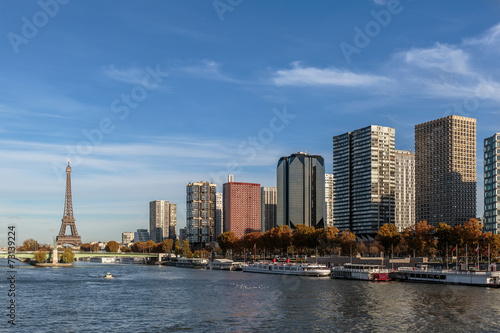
x: 68, y: 218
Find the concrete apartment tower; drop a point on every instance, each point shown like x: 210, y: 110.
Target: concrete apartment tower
x: 329, y: 200
x: 200, y: 213
x: 404, y: 200
x: 269, y: 203
x: 301, y: 190
x: 492, y: 184
x: 162, y: 220
x: 364, y: 170
x: 445, y: 170
x: 241, y: 203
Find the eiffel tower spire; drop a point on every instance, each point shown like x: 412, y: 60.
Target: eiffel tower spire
x: 68, y: 218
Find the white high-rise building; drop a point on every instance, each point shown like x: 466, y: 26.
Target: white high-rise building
x: 404, y: 202
x: 162, y: 220
x: 219, y: 214
x: 329, y: 200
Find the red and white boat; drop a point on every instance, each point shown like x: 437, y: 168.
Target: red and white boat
x: 366, y: 272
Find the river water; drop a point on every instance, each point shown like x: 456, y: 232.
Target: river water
x: 169, y: 299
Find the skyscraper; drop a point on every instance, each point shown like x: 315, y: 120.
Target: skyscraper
x: 268, y: 208
x: 404, y: 190
x: 241, y: 207
x: 492, y: 184
x: 329, y: 200
x: 162, y: 220
x: 363, y: 169
x: 301, y: 190
x: 219, y: 214
x: 445, y: 170
x: 200, y: 213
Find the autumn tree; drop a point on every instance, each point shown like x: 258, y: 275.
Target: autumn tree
x: 443, y: 233
x: 30, y: 245
x: 226, y: 241
x: 327, y: 238
x: 280, y: 238
x: 304, y: 238
x: 250, y: 240
x: 165, y: 246
x: 185, y: 247
x: 389, y: 237
x: 112, y: 246
x: 139, y: 246
x: 41, y: 255
x: 420, y: 238
x: 150, y: 245
x: 85, y: 247
x: 347, y: 242
x: 177, y: 246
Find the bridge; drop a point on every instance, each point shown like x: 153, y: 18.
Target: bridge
x: 82, y: 254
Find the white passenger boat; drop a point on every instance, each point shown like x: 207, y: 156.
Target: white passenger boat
x: 474, y: 278
x: 104, y: 260
x: 366, y: 272
x: 288, y: 269
x: 225, y: 265
x: 192, y: 262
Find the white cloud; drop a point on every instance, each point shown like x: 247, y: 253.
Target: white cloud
x: 441, y: 57
x: 490, y: 38
x: 311, y: 76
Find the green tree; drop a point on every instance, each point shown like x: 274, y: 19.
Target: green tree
x: 30, y: 245
x: 68, y: 256
x: 389, y: 237
x: 112, y: 246
x: 41, y: 255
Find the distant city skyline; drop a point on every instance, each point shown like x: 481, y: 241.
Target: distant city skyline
x: 145, y: 98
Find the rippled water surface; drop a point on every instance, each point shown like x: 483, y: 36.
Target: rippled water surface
x: 166, y: 299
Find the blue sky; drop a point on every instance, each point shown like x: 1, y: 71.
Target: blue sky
x: 145, y: 97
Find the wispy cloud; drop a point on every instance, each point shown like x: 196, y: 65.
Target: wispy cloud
x: 131, y: 75
x: 490, y: 39
x: 208, y: 69
x: 299, y: 75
